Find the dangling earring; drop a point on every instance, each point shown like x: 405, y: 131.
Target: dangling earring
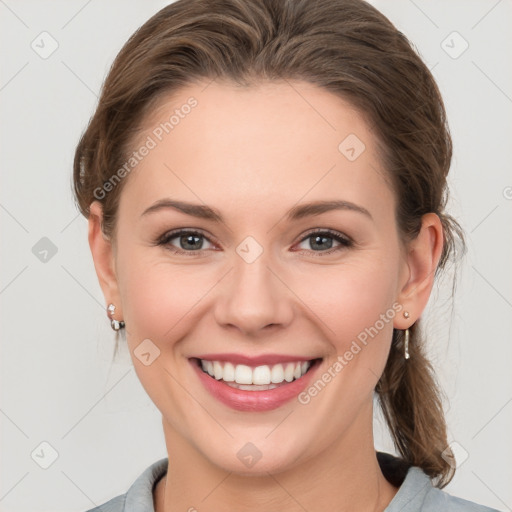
x: 406, y: 338
x: 115, y: 324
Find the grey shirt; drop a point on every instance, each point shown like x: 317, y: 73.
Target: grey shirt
x: 415, y: 494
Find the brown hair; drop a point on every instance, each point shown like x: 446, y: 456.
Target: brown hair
x: 346, y: 47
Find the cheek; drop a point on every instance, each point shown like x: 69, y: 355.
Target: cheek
x: 161, y: 301
x: 355, y: 303
x: 350, y: 298
x: 159, y: 297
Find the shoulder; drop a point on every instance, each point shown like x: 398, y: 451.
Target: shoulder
x: 437, y: 499
x: 416, y: 492
x: 140, y: 495
x: 114, y: 505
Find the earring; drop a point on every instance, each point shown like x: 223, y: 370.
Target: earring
x: 406, y: 338
x: 115, y: 324
x: 406, y: 344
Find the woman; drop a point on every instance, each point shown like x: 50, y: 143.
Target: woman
x: 265, y: 183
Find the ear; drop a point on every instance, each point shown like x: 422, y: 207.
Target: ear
x: 103, y: 256
x: 423, y: 254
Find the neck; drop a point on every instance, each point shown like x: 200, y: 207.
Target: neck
x: 344, y: 477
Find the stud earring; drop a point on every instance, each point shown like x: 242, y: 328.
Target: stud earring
x: 115, y: 324
x: 406, y: 338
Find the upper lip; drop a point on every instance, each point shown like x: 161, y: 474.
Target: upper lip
x: 263, y: 359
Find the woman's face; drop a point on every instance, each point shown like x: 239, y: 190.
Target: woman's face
x: 262, y: 281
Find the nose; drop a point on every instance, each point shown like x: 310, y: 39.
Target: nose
x: 254, y: 298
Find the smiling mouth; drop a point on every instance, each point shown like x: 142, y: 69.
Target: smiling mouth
x: 258, y: 378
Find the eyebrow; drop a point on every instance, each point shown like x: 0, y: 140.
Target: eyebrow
x: 297, y: 212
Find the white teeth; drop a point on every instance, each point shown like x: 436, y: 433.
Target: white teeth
x: 229, y: 373
x: 217, y: 370
x: 251, y: 387
x: 277, y: 374
x: 288, y: 372
x: 263, y: 375
x: 243, y: 374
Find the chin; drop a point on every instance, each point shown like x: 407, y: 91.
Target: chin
x: 256, y: 458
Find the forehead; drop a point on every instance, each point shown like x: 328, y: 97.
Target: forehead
x: 260, y: 146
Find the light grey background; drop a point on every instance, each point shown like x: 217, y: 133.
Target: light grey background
x: 58, y: 384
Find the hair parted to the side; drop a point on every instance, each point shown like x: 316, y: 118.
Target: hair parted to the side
x: 346, y: 47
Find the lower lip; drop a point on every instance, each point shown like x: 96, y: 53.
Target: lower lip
x: 255, y: 401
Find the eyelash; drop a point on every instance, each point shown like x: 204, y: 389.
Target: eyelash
x: 344, y: 241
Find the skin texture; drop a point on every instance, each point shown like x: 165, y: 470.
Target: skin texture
x: 253, y: 154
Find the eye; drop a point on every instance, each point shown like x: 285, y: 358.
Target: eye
x: 323, y: 240
x: 190, y: 241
